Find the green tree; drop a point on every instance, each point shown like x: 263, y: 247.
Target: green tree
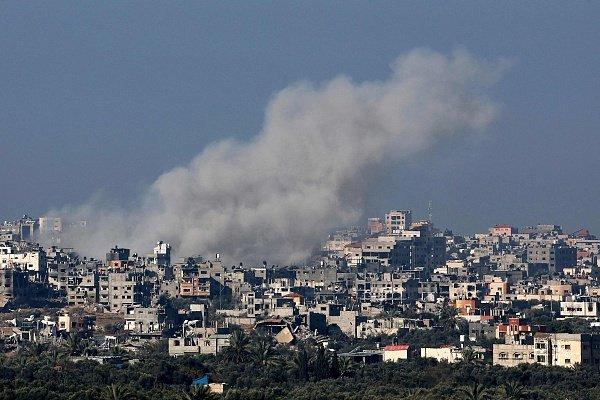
x: 36, y: 350
x: 470, y: 356
x: 512, y: 391
x: 74, y: 344
x: 334, y: 366
x: 347, y: 366
x: 239, y: 346
x: 474, y: 392
x: 321, y: 364
x: 263, y: 350
x: 199, y: 392
x: 301, y: 364
x: 118, y: 392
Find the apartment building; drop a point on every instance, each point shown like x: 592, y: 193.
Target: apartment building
x: 567, y: 349
x: 147, y: 322
x: 118, y: 290
x: 513, y: 354
x: 554, y: 256
x: 579, y: 309
x: 397, y: 221
x: 557, y: 349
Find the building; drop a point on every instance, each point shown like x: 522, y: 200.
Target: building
x: 118, y: 290
x: 502, y: 230
x: 13, y: 284
x: 450, y: 354
x: 68, y: 322
x: 580, y: 309
x: 375, y: 226
x: 557, y: 349
x: 555, y: 256
x: 396, y: 353
x: 203, y: 341
x: 162, y: 254
x: 147, y: 322
x: 567, y: 349
x: 513, y: 331
x: 397, y: 221
x: 513, y: 354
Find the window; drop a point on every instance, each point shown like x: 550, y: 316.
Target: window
x: 567, y: 361
x: 567, y: 347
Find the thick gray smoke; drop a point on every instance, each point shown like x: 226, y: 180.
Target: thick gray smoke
x: 275, y: 196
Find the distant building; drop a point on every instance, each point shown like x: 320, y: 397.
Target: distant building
x: 542, y: 229
x: 580, y: 309
x: 450, y: 354
x: 513, y: 354
x: 201, y: 341
x: 502, y: 230
x: 116, y: 256
x: 162, y: 254
x: 374, y: 226
x: 50, y: 225
x: 558, y: 349
x: 555, y: 256
x: 397, y: 221
x: 396, y: 353
x: 567, y: 349
x: 513, y: 331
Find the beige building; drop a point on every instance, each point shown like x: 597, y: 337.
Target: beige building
x: 567, y: 349
x: 201, y: 341
x: 581, y: 309
x: 450, y: 354
x: 559, y: 349
x: 511, y: 355
x: 397, y: 221
x: 396, y: 353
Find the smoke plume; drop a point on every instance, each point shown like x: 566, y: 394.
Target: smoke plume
x: 275, y: 196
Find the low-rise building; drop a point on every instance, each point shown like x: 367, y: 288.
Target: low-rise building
x: 395, y: 353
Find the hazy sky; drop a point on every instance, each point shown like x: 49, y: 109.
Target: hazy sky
x: 104, y: 97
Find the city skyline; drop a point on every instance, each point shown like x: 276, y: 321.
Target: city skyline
x: 155, y: 100
x: 299, y: 200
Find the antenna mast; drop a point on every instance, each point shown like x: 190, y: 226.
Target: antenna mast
x: 429, y: 211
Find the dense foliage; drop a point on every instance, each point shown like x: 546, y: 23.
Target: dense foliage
x: 254, y: 368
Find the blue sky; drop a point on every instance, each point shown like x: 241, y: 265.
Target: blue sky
x: 105, y: 96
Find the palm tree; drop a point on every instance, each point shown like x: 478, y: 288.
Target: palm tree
x: 346, y: 366
x: 513, y: 391
x: 301, y: 361
x: 263, y: 351
x: 55, y: 358
x: 334, y: 366
x: 89, y: 349
x: 74, y: 344
x: 199, y: 393
x: 415, y: 394
x: 155, y: 349
x: 35, y: 350
x: 239, y: 344
x: 470, y: 356
x: 321, y: 365
x: 118, y: 351
x: 447, y: 316
x: 117, y: 392
x: 474, y: 392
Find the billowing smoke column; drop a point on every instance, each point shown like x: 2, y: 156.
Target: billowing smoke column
x: 275, y: 196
